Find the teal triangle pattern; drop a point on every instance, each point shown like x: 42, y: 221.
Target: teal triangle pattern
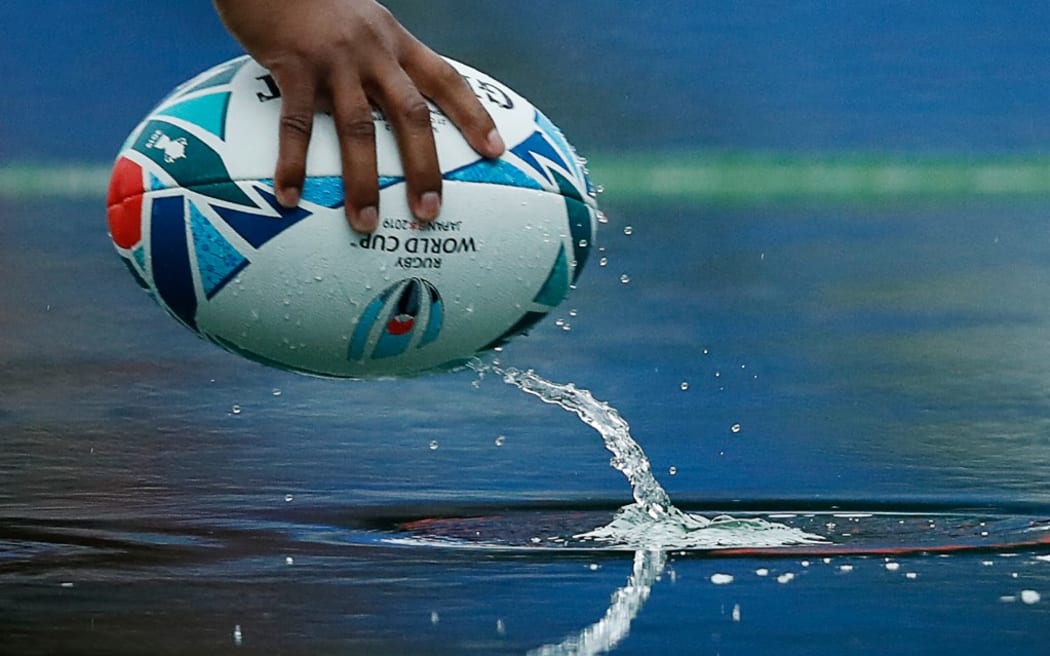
x: 222, y: 76
x: 580, y: 223
x: 556, y: 287
x: 217, y: 261
x: 556, y: 136
x: 189, y: 161
x: 497, y: 172
x: 208, y: 112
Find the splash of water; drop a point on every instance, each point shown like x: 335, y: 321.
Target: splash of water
x: 652, y: 521
x: 628, y: 457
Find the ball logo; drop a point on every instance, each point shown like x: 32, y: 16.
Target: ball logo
x: 174, y: 149
x: 408, y: 314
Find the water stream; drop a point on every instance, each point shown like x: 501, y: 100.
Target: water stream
x: 652, y: 521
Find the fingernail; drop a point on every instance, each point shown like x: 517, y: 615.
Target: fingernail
x: 495, y: 143
x: 429, y: 206
x: 288, y: 196
x: 367, y: 219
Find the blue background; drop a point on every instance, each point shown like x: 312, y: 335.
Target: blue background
x: 956, y: 77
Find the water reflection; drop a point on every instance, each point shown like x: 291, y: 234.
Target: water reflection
x: 605, y: 634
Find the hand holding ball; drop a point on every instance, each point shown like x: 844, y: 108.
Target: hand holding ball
x: 193, y: 214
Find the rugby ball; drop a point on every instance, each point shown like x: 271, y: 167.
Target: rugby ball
x: 192, y: 213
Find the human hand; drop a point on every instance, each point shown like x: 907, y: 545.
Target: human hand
x: 341, y: 57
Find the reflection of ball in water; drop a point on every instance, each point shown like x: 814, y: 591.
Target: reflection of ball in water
x: 193, y: 214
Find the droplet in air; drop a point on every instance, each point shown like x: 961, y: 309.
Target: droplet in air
x: 624, y: 278
x: 277, y: 391
x: 628, y: 230
x: 237, y: 635
x: 603, y: 261
x: 1030, y: 597
x: 236, y: 409
x: 583, y: 243
x: 433, y: 445
x: 735, y: 428
x: 602, y: 218
x: 288, y: 498
x: 501, y: 440
x: 672, y: 470
x: 684, y: 385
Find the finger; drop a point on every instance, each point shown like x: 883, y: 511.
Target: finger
x: 443, y: 84
x: 355, y: 128
x: 409, y: 115
x: 296, y: 125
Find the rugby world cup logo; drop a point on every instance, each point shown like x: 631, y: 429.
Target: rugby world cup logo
x: 406, y: 315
